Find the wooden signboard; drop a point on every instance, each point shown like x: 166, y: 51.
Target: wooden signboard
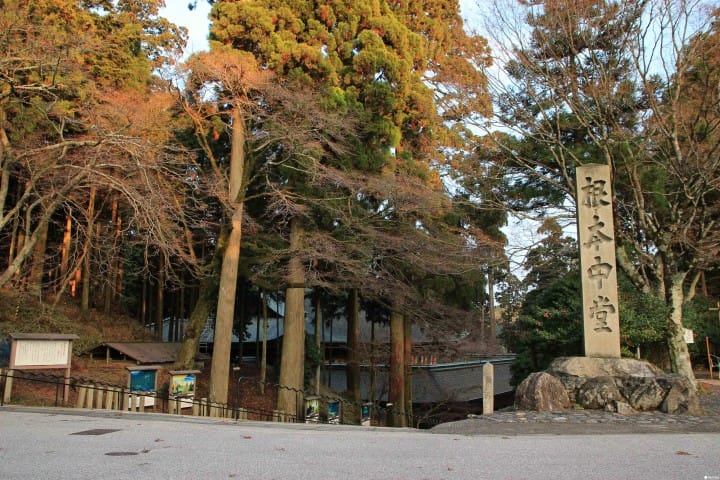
x: 40, y: 351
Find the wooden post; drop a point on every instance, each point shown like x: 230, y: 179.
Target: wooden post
x: 488, y: 389
x: 90, y: 395
x: 8, y: 386
x: 115, y: 398
x: 99, y: 400
x: 108, y: 398
x: 66, y: 386
x: 710, y: 364
x: 196, y: 408
x: 82, y: 392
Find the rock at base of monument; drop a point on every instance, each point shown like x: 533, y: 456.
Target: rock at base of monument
x: 681, y: 397
x: 542, y: 392
x: 621, y: 408
x: 598, y: 367
x: 612, y: 384
x: 643, y: 393
x: 598, y: 392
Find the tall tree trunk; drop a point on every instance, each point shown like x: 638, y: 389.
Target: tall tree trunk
x: 257, y: 332
x: 87, y: 251
x: 160, y: 300
x: 65, y: 277
x: 144, y: 302
x: 373, y: 369
x: 37, y: 270
x: 353, y: 345
x: 491, y: 308
x: 407, y: 359
x: 396, y: 388
x: 222, y: 342
x: 220, y: 369
x: 278, y: 319
x: 66, y: 244
x: 292, y: 362
x: 318, y: 339
x: 199, y: 315
x: 5, y: 162
x: 263, y: 358
x: 483, y: 334
x: 15, y: 243
x: 243, y: 321
x: 113, y: 258
x: 117, y: 292
x: 198, y: 318
x: 181, y: 315
x: 679, y: 354
x: 173, y: 320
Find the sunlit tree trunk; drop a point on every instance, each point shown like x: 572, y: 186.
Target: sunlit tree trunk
x: 87, y: 251
x: 113, y: 259
x: 66, y: 244
x: 37, y: 268
x: 220, y: 370
x: 292, y: 362
x: 196, y: 323
x: 5, y: 161
x: 14, y: 241
x: 677, y: 347
x: 28, y: 246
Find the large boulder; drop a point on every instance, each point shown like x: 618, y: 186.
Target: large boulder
x: 606, y: 383
x: 542, y: 392
x: 589, y: 367
x: 681, y: 397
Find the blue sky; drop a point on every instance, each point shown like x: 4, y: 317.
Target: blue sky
x: 196, y: 21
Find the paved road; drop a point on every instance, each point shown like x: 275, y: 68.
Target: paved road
x: 56, y: 444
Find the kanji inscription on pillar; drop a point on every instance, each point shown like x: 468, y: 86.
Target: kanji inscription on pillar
x: 601, y: 322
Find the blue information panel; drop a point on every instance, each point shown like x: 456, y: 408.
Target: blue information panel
x: 142, y: 380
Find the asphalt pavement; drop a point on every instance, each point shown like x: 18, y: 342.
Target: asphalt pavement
x: 37, y: 443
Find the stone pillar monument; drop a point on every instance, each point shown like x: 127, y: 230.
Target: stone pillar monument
x: 601, y: 321
x: 601, y: 379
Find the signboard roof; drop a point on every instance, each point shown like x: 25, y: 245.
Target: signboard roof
x: 43, y: 336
